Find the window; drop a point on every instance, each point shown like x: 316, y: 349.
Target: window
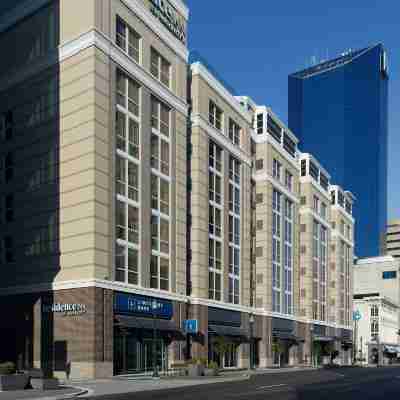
x: 303, y: 167
x: 276, y: 250
x: 215, y: 187
x: 289, y: 145
x: 324, y: 182
x: 128, y: 93
x: 128, y: 40
x: 215, y: 157
x: 234, y: 170
x: 259, y: 164
x: 234, y: 132
x: 274, y: 129
x: 374, y: 311
x: 316, y: 204
x: 214, y: 270
x: 348, y: 206
x: 389, y: 275
x: 323, y: 210
x: 303, y: 200
x: 215, y: 221
x: 127, y: 178
x: 341, y: 198
x: 314, y: 171
x: 288, y: 180
x: 160, y: 234
x: 260, y: 124
x: 160, y: 194
x: 342, y: 227
x: 127, y: 219
x: 159, y: 273
x: 160, y: 116
x: 160, y: 68
x: 9, y: 249
x: 276, y: 169
x: 215, y: 116
x: 126, y: 265
x: 9, y: 206
x: 333, y: 198
x: 9, y: 167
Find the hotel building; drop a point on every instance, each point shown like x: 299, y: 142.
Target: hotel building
x: 93, y: 128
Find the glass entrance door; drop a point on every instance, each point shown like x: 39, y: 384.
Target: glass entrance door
x: 161, y: 355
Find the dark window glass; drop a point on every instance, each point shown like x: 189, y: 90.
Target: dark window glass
x: 274, y: 129
x: 303, y: 167
x: 314, y: 171
x: 289, y: 145
x: 260, y: 124
x: 389, y: 275
x: 323, y: 180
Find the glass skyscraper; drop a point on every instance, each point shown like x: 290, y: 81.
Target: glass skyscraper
x: 339, y: 111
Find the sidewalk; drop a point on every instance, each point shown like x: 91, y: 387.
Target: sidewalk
x: 65, y: 392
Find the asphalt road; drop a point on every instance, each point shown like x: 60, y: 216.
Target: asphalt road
x: 338, y: 384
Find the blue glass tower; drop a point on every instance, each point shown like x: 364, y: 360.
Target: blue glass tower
x: 339, y: 111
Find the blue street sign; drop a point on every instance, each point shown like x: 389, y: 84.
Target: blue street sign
x: 191, y: 326
x: 356, y: 315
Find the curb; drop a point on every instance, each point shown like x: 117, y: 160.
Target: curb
x: 81, y: 392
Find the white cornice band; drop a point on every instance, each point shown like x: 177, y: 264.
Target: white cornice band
x: 262, y: 177
x: 199, y: 69
x: 219, y: 138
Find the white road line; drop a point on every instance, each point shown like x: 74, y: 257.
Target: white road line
x: 271, y: 387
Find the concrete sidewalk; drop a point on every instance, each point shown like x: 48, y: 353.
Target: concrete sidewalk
x: 64, y: 393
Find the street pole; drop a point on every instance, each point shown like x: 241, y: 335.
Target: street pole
x: 155, y: 368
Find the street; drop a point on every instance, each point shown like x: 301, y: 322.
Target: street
x: 343, y: 384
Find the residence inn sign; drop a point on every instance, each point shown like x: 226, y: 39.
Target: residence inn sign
x: 170, y: 18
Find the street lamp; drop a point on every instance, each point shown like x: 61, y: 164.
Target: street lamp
x: 251, y: 324
x: 155, y: 367
x: 312, y: 345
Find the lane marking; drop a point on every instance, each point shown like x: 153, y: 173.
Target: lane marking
x: 271, y: 387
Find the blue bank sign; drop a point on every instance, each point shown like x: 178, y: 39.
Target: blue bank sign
x: 142, y: 305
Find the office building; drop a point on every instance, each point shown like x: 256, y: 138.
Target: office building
x: 392, y: 242
x: 339, y: 106
x: 377, y: 300
x: 94, y: 114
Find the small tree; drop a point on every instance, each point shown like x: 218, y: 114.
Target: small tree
x: 221, y: 346
x: 277, y: 349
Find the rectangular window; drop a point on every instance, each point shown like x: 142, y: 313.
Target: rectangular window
x: 160, y: 67
x: 260, y: 124
x: 389, y: 275
x: 316, y: 204
x: 215, y: 157
x: 234, y: 132
x: 289, y: 145
x: 288, y: 180
x: 215, y: 116
x: 314, y: 171
x: 274, y: 129
x: 127, y: 39
x: 276, y: 169
x: 324, y: 182
x: 159, y: 273
x: 160, y: 116
x: 303, y: 167
x: 323, y: 210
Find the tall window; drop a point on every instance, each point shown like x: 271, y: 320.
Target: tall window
x: 234, y: 230
x: 276, y: 169
x: 288, y: 180
x: 127, y: 180
x: 234, y: 132
x: 160, y: 195
x: 323, y: 274
x: 160, y: 67
x: 288, y: 258
x: 348, y: 294
x: 316, y: 253
x: 127, y: 39
x: 215, y: 116
x: 342, y: 291
x: 215, y: 215
x: 276, y: 250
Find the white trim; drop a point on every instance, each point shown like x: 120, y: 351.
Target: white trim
x: 158, y: 28
x: 375, y: 260
x: 336, y: 233
x: 282, y: 125
x: 308, y: 156
x: 317, y: 186
x: 336, y: 207
x: 199, y: 69
x: 199, y: 121
x: 307, y: 210
x: 259, y: 177
x: 102, y: 42
x: 266, y: 138
x: 21, y: 11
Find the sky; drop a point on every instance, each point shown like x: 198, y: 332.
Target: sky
x: 256, y: 44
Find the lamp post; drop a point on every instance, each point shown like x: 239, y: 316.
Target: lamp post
x: 251, y: 349
x: 155, y: 367
x: 312, y: 345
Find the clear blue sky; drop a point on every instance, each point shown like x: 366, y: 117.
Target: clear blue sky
x: 256, y: 44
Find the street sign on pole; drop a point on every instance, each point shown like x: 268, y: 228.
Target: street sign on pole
x: 191, y: 326
x: 356, y: 315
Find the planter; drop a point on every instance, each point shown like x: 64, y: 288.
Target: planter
x: 13, y: 382
x: 44, y: 383
x: 210, y: 372
x: 195, y: 370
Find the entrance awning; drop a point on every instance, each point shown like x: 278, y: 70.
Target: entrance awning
x: 287, y: 336
x: 231, y: 331
x: 162, y: 325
